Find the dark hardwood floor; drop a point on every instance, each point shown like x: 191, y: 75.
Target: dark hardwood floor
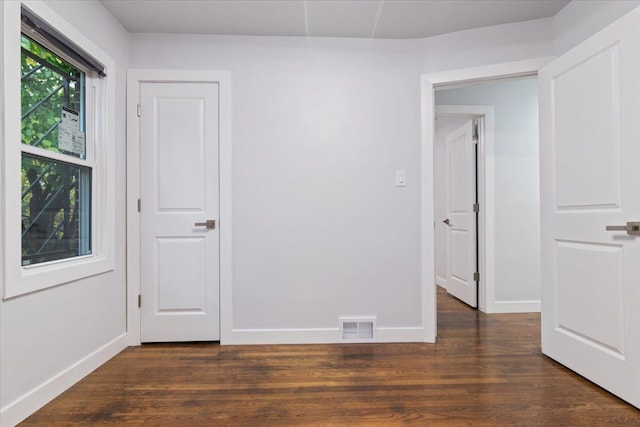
x: 485, y: 370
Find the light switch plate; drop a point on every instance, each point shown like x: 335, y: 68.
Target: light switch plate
x: 401, y: 178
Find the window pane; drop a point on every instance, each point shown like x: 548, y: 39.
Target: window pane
x: 48, y: 83
x: 56, y: 210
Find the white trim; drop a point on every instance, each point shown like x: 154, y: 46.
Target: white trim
x: 318, y: 336
x: 516, y: 307
x: 36, y: 398
x: 486, y: 218
x: 428, y: 82
x: 134, y: 78
x: 408, y: 334
x: 427, y: 224
x: 16, y: 279
x: 487, y: 72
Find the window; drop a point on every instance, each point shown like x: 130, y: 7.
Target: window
x: 58, y: 153
x: 55, y: 195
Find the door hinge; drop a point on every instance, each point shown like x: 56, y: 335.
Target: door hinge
x: 476, y: 207
x: 476, y: 277
x: 475, y: 132
x: 139, y: 110
x: 139, y: 205
x: 139, y: 300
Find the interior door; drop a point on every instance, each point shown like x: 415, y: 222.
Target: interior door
x: 461, y: 219
x: 590, y: 179
x: 179, y: 209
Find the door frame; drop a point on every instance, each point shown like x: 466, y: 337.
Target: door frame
x: 134, y: 78
x: 428, y: 83
x: 483, y: 245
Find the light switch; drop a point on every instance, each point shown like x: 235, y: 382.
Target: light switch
x: 401, y: 178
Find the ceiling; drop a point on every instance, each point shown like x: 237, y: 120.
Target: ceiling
x: 380, y: 19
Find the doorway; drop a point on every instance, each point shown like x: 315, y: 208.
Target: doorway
x: 178, y: 206
x: 508, y: 190
x: 457, y: 138
x: 429, y: 83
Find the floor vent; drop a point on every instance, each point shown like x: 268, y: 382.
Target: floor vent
x: 357, y: 328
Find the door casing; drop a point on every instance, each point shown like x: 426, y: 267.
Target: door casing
x: 134, y: 78
x: 428, y: 83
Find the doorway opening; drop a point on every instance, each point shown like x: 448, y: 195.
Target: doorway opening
x: 507, y: 189
x: 458, y: 134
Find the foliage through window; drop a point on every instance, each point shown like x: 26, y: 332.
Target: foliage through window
x: 56, y: 187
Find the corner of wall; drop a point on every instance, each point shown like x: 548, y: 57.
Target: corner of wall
x: 33, y: 400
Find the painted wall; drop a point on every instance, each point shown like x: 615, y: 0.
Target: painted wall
x: 47, y: 334
x: 581, y: 19
x: 443, y: 127
x: 319, y: 128
x: 489, y: 45
x: 516, y: 187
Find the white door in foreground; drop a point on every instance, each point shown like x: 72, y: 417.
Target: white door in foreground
x: 590, y: 179
x: 179, y: 193
x: 461, y: 219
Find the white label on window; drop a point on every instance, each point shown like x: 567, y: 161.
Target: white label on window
x: 71, y: 140
x: 70, y: 137
x: 70, y: 118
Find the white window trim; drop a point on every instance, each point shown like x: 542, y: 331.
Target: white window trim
x: 16, y: 279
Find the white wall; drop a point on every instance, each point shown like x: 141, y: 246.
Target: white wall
x: 580, y: 19
x: 51, y: 337
x: 489, y: 45
x: 319, y: 128
x: 515, y: 182
x: 443, y: 127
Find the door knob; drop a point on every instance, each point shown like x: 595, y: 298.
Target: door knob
x: 632, y: 228
x: 446, y: 221
x: 210, y: 224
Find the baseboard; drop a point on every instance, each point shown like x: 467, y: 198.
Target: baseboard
x: 441, y: 281
x: 514, y: 307
x: 35, y: 399
x: 317, y: 336
x: 407, y: 334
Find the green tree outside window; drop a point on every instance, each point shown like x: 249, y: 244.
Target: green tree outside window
x: 55, y: 194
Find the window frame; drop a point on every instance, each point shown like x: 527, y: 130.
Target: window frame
x: 100, y: 155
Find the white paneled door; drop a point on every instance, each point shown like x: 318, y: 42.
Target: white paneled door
x: 461, y: 219
x: 179, y: 212
x: 590, y: 181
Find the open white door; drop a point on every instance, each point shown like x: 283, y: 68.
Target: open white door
x: 180, y: 255
x: 461, y: 218
x: 590, y: 179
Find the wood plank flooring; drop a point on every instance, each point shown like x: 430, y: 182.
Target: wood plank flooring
x: 485, y: 370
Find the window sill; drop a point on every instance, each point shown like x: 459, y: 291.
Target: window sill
x: 32, y: 278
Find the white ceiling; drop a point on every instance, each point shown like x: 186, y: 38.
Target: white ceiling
x: 381, y: 19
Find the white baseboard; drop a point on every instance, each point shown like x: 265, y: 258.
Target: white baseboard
x: 514, y: 307
x: 441, y: 281
x: 407, y: 334
x: 35, y: 399
x: 317, y: 336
